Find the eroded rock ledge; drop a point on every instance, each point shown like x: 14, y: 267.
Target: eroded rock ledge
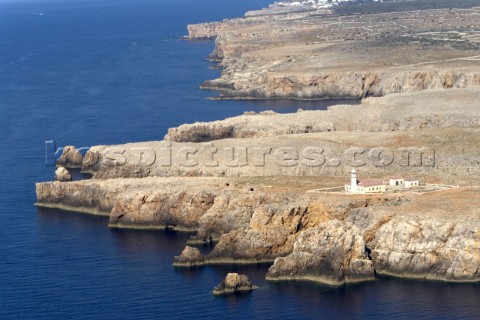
x: 333, y: 253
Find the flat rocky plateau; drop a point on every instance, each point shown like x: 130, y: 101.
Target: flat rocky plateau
x: 347, y: 51
x: 244, y: 184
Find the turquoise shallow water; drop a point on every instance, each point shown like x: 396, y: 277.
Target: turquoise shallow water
x: 103, y: 72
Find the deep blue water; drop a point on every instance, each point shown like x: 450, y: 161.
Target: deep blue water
x: 113, y: 71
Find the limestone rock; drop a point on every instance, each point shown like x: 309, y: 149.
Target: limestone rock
x: 233, y: 283
x: 133, y: 198
x: 95, y: 197
x: 332, y: 253
x: 428, y: 249
x: 62, y: 174
x: 91, y: 159
x: 70, y: 158
x: 207, y: 30
x: 331, y: 238
x: 171, y: 209
x: 271, y: 233
x: 190, y: 257
x: 231, y: 211
x: 199, y: 132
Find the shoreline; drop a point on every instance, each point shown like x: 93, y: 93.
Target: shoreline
x: 241, y: 246
x: 252, y: 98
x: 229, y: 261
x: 73, y: 209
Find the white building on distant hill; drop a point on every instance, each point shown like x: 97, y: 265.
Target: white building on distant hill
x: 378, y: 186
x: 364, y: 185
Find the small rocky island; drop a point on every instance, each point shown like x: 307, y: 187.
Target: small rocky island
x: 244, y: 184
x: 234, y: 283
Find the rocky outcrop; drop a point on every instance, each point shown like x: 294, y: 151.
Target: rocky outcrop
x: 233, y: 210
x: 70, y: 158
x: 234, y: 283
x: 97, y: 198
x: 427, y: 249
x: 127, y: 201
x: 62, y: 174
x: 190, y: 257
x: 271, y: 233
x: 332, y: 253
x: 161, y: 209
x: 207, y: 30
x: 199, y: 132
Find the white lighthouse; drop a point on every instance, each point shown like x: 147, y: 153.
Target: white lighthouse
x: 353, y: 181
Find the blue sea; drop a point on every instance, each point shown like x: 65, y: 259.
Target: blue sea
x: 84, y: 73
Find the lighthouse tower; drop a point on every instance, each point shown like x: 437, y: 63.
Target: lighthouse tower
x: 353, y: 181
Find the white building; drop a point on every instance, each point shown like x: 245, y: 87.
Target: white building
x: 404, y: 182
x: 411, y: 183
x: 365, y: 185
x: 397, y: 181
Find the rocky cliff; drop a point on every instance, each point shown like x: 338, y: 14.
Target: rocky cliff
x: 324, y: 53
x: 330, y: 238
x: 332, y: 253
x: 340, y: 84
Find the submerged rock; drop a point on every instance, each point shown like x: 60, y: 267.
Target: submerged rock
x: 70, y: 158
x: 62, y: 174
x: 233, y: 283
x: 332, y: 253
x: 190, y: 257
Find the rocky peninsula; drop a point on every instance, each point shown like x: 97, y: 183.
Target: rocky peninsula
x: 346, y: 51
x: 260, y: 187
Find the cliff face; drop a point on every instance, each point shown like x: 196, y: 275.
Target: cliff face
x: 207, y: 30
x: 340, y: 84
x: 332, y: 253
x: 97, y: 198
x: 270, y: 233
x: 330, y: 238
x: 179, y: 210
x: 427, y: 249
x: 318, y: 53
x: 228, y: 183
